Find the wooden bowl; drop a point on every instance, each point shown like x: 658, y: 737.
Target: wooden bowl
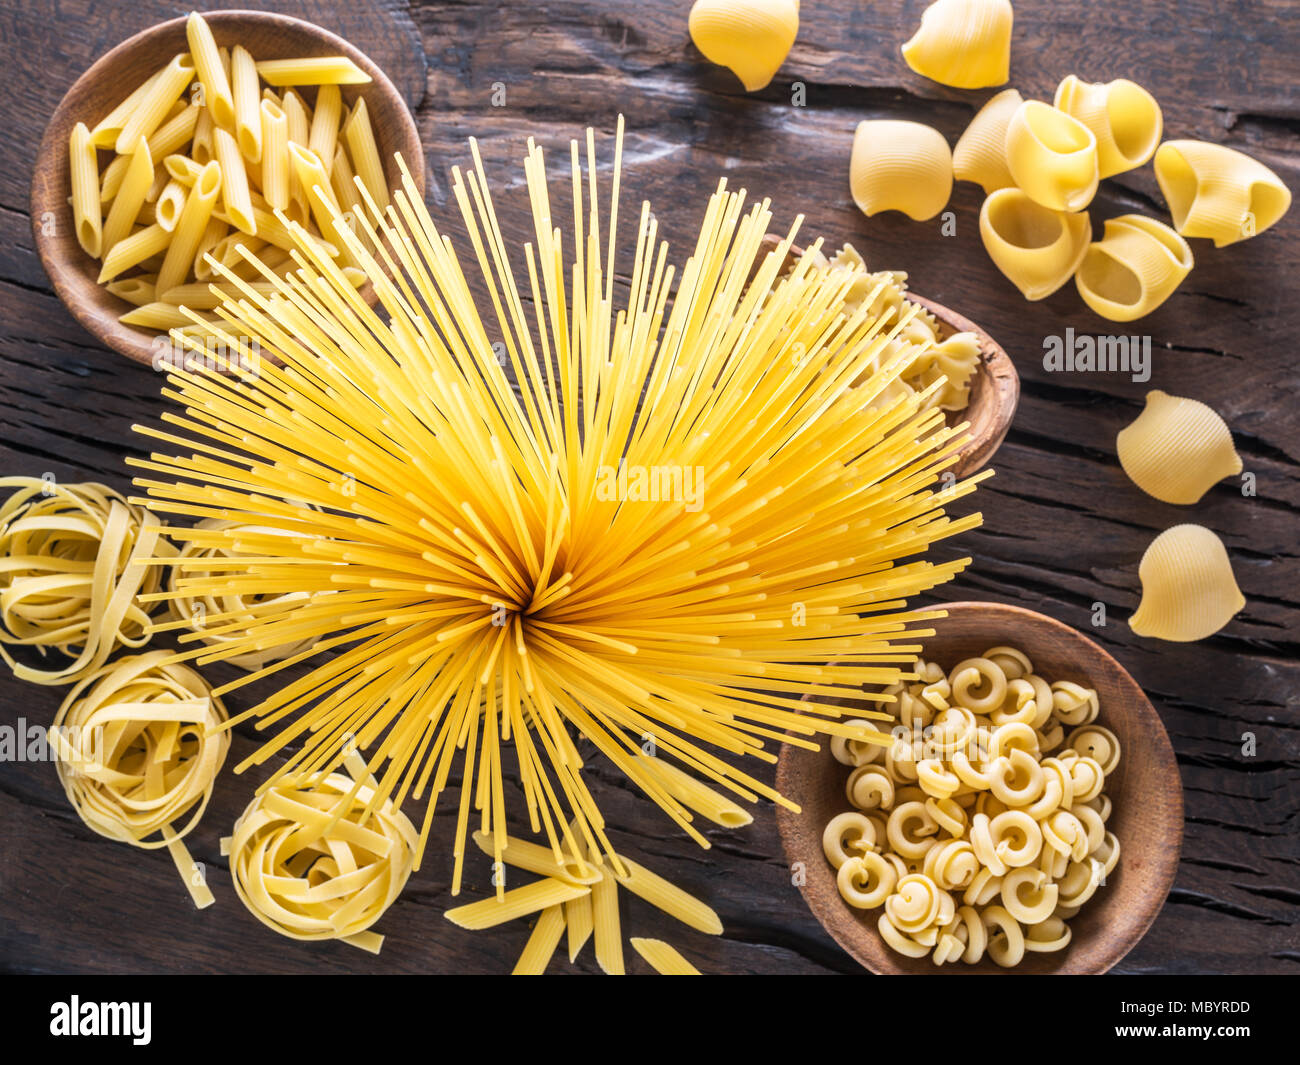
x: 103, y: 86
x: 994, y: 389
x: 1147, y: 815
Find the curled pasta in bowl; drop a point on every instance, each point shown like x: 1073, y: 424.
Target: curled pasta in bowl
x: 1050, y: 850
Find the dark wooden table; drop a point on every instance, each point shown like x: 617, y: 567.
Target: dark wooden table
x: 1063, y: 529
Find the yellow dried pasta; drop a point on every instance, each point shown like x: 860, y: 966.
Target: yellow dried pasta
x: 900, y: 166
x: 751, y: 38
x: 1123, y: 116
x: 1217, y: 192
x: 1036, y: 248
x: 980, y: 154
x: 1177, y: 449
x: 1188, y: 588
x: 1133, y: 269
x: 963, y: 43
x: 1052, y: 157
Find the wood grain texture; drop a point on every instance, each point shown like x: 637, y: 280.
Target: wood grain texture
x: 1147, y: 815
x: 1063, y: 528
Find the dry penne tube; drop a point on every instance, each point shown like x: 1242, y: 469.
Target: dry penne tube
x: 696, y: 795
x: 85, y: 191
x: 663, y: 957
x: 538, y: 859
x: 318, y: 70
x: 155, y: 105
x: 105, y: 134
x: 245, y: 90
x: 366, y: 163
x: 607, y: 932
x: 275, y: 155
x: 324, y: 131
x: 169, y: 137
x: 668, y: 897
x: 202, y: 296
x: 235, y: 199
x: 211, y: 70
x: 138, y: 290
x: 490, y: 912
x: 190, y: 228
x: 157, y: 315
x: 541, y: 945
x: 134, y: 250
x: 170, y: 203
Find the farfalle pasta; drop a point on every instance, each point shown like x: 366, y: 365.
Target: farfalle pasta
x: 980, y: 154
x: 1052, y: 157
x: 1217, y: 192
x: 963, y: 43
x: 1133, y: 269
x: 1188, y: 588
x: 1037, y: 249
x: 1177, y: 449
x: 982, y: 829
x: 900, y: 166
x: 1123, y: 116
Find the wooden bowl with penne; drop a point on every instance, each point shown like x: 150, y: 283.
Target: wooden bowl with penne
x: 1091, y: 925
x: 211, y: 138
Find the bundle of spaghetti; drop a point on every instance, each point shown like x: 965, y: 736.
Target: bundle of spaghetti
x: 138, y: 745
x: 71, y: 574
x: 580, y: 895
x: 495, y: 569
x: 208, y: 617
x: 315, y: 859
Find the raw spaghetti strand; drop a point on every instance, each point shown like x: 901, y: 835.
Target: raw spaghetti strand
x: 495, y: 572
x: 72, y: 574
x: 138, y: 745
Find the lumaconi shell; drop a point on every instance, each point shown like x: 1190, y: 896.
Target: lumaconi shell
x: 1188, y: 590
x: 1177, y: 449
x: 1122, y: 115
x: 749, y: 37
x: 1133, y: 269
x: 963, y: 43
x: 981, y: 153
x: 1037, y: 249
x: 1052, y: 156
x: 900, y: 166
x: 1217, y: 192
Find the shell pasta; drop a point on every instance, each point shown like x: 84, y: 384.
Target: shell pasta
x: 1123, y: 116
x: 1177, y: 449
x: 1037, y: 249
x: 900, y: 166
x: 1216, y: 192
x: 980, y: 154
x: 1188, y: 588
x: 963, y: 43
x: 1133, y: 269
x: 984, y: 829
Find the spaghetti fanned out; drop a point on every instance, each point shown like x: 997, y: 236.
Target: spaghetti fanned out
x: 696, y: 500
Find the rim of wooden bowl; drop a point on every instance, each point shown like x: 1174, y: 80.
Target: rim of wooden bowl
x: 994, y: 389
x: 70, y: 269
x: 1146, y: 790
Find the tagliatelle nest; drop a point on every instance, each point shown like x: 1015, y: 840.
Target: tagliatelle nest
x: 468, y: 551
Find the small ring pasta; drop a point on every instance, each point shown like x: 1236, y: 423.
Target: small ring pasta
x: 848, y: 751
x: 1029, y: 896
x: 905, y: 945
x: 1073, y: 704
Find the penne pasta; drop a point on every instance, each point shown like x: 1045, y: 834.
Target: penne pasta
x: 213, y: 233
x: 83, y: 164
x: 275, y: 155
x: 130, y: 197
x: 235, y: 199
x: 169, y: 205
x: 138, y: 290
x: 157, y: 182
x: 662, y: 957
x: 155, y: 104
x: 134, y: 250
x: 541, y: 945
x: 319, y: 70
x: 217, y: 97
x: 168, y: 138
x: 694, y: 794
x: 201, y: 296
x: 538, y: 859
x: 578, y: 922
x: 190, y: 228
x: 324, y: 132
x: 668, y: 897
x: 183, y: 169
x: 320, y: 197
x: 343, y: 183
x: 106, y: 133
x: 246, y: 95
x: 158, y: 315
x: 490, y: 912
x: 364, y: 152
x: 606, y: 927
x: 201, y: 150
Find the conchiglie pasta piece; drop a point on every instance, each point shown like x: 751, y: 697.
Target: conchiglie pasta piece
x: 1036, y: 248
x: 1133, y: 269
x: 981, y: 152
x: 900, y: 166
x: 1177, y: 449
x: 963, y: 43
x: 1188, y: 590
x: 1052, y: 156
x: 1217, y: 192
x: 1122, y: 115
x: 749, y: 37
